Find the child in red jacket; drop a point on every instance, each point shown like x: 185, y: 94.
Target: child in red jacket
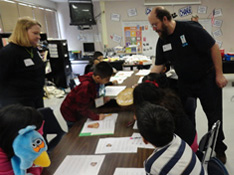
x: 82, y: 98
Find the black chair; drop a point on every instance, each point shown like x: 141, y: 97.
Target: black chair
x: 208, y: 142
x: 212, y: 165
x: 118, y: 65
x: 51, y: 126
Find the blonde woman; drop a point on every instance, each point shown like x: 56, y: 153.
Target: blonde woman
x: 21, y: 67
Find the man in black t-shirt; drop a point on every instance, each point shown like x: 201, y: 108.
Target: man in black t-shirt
x: 197, y: 62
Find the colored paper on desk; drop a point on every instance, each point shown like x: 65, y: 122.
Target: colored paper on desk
x: 115, y: 145
x: 114, y: 90
x: 100, y: 127
x: 129, y: 171
x: 84, y: 164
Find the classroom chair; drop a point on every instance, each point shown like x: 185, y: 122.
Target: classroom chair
x: 211, y: 164
x: 51, y: 126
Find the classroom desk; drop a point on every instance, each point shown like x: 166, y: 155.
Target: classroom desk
x: 139, y: 66
x: 72, y: 144
x: 228, y: 67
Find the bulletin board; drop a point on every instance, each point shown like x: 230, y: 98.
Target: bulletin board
x: 140, y: 33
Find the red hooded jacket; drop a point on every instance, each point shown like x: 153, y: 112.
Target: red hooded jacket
x: 81, y: 99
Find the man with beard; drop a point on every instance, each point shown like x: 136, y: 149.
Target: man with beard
x: 197, y: 62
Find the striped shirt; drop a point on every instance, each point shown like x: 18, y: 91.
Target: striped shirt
x: 176, y: 158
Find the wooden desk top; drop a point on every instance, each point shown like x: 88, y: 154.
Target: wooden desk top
x: 72, y: 144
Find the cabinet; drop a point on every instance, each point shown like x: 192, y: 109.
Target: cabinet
x: 60, y: 63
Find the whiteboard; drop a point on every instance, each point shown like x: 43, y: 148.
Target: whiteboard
x: 149, y: 36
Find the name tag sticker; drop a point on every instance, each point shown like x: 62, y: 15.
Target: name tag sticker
x: 99, y: 102
x: 167, y: 47
x: 28, y: 62
x: 183, y: 41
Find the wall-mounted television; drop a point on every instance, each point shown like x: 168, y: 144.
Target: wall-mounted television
x: 81, y: 13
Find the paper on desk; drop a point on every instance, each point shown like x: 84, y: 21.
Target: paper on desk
x: 129, y: 171
x: 119, y: 79
x: 140, y: 80
x: 114, y: 90
x: 102, y: 127
x: 80, y: 165
x: 115, y: 145
x: 135, y: 125
x: 143, y: 72
x: 124, y: 73
x: 136, y: 140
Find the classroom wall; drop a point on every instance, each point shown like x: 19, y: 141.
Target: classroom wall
x: 74, y: 36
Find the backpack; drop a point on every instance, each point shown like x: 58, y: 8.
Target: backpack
x: 216, y: 167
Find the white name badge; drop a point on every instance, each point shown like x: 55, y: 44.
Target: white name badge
x: 167, y: 47
x: 99, y: 102
x: 183, y: 40
x: 28, y: 62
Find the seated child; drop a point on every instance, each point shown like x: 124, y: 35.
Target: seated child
x: 171, y: 155
x: 168, y: 83
x: 150, y: 91
x: 12, y: 119
x: 97, y: 58
x: 81, y: 99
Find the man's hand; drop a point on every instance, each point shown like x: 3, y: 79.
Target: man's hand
x: 221, y: 81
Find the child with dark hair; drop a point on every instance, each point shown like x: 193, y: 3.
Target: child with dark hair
x: 81, y: 99
x: 161, y: 79
x: 12, y: 119
x: 172, y: 155
x: 171, y: 84
x: 150, y: 92
x: 97, y: 58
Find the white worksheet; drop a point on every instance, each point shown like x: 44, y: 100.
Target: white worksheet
x: 140, y: 80
x: 124, y: 73
x: 106, y: 126
x: 136, y: 140
x: 80, y: 165
x: 129, y: 171
x: 135, y: 125
x: 115, y: 145
x: 119, y: 79
x: 114, y: 90
x: 143, y: 72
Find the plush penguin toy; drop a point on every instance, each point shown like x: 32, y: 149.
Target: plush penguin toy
x: 29, y: 148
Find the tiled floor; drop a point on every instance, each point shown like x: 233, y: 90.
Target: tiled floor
x: 228, y: 108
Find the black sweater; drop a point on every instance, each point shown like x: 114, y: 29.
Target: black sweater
x: 20, y: 75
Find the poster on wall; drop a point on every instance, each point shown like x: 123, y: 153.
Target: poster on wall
x: 185, y: 11
x: 140, y: 33
x: 133, y: 37
x: 115, y: 17
x: 202, y: 9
